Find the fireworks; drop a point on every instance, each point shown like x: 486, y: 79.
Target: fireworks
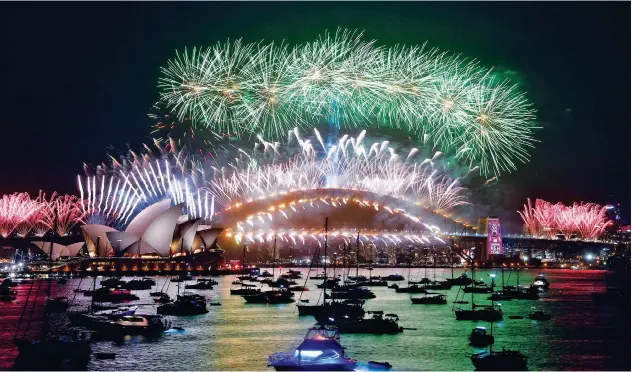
x: 268, y: 89
x: 131, y: 183
x: 68, y: 212
x: 307, y: 164
x: 585, y: 221
x: 15, y: 212
x: 24, y: 216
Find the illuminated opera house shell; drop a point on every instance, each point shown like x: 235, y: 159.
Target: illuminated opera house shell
x: 158, y: 230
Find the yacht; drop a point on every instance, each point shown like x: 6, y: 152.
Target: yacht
x: 376, y: 323
x: 540, y: 282
x: 319, y: 351
x: 394, y: 278
x: 433, y: 299
x: 410, y: 289
x: 135, y: 324
x: 270, y: 297
x: 461, y: 280
x: 359, y: 293
x: 487, y: 313
x: 189, y: 304
x: 479, y: 337
x: 200, y: 285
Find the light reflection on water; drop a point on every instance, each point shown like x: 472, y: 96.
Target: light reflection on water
x: 240, y: 336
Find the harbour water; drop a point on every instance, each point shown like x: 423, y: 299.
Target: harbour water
x: 239, y: 336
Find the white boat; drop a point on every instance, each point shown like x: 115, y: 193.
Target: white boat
x: 319, y: 351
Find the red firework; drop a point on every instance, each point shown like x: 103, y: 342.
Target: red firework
x: 68, y: 212
x: 16, y: 211
x: 583, y: 221
x: 23, y: 216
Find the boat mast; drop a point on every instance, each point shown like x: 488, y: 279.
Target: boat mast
x: 94, y: 282
x: 502, y: 273
x: 410, y: 258
x: 243, y: 258
x: 325, y: 265
x: 273, y: 256
x: 473, y: 281
x: 358, y: 254
x: 452, y: 260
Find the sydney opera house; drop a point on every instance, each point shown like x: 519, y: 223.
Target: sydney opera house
x: 159, y: 239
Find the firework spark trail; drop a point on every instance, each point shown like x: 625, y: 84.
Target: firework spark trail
x: 544, y: 219
x: 15, y: 209
x: 258, y: 88
x: 134, y: 181
x: 68, y: 213
x: 25, y: 216
x: 350, y: 165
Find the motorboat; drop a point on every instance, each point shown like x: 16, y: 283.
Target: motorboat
x: 265, y: 274
x: 270, y: 297
x: 422, y: 281
x: 134, y: 324
x: 436, y: 285
x: 540, y: 282
x: 320, y: 276
x: 462, y: 280
x: 319, y: 351
x: 199, y: 285
x: 359, y: 293
x: 410, y: 289
x: 121, y: 311
x: 376, y: 322
x: 539, y: 315
x: 244, y: 291
x: 486, y: 313
x: 394, y: 278
x: 281, y: 283
x: 505, y: 360
x: 184, y: 305
x: 478, y: 287
x: 430, y: 299
x: 208, y: 281
x: 112, y: 283
x: 348, y: 309
x: 480, y: 338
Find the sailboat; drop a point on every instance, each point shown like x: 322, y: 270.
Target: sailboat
x: 479, y: 312
x: 514, y: 293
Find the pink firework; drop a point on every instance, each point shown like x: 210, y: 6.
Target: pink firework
x: 16, y: 211
x: 67, y: 211
x: 584, y: 221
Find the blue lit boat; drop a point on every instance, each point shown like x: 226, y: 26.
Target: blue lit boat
x: 319, y: 351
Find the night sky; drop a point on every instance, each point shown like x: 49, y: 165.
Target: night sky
x: 78, y: 78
